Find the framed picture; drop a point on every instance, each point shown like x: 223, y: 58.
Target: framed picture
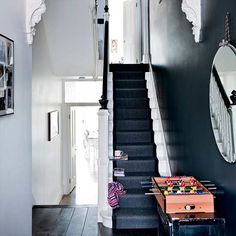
x: 6, y: 76
x: 53, y: 124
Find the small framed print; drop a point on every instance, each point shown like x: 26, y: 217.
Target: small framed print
x: 53, y: 124
x: 6, y: 76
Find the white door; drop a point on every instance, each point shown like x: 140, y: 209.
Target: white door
x: 132, y: 31
x: 72, y: 148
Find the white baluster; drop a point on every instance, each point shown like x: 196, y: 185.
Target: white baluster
x: 224, y: 119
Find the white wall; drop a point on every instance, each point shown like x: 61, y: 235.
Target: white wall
x: 116, y: 29
x: 228, y: 80
x: 15, y: 131
x: 70, y: 36
x: 46, y: 97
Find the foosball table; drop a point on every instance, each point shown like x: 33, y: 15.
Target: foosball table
x: 186, y: 207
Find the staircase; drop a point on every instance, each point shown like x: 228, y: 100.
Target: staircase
x: 222, y: 118
x: 133, y: 134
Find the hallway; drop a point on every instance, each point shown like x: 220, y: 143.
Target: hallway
x: 85, y: 136
x: 85, y: 192
x: 75, y: 221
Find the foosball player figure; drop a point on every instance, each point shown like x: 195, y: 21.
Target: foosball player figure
x: 182, y: 186
x: 192, y: 191
x: 166, y: 192
x: 180, y: 181
x: 170, y: 186
x: 193, y: 184
x: 168, y: 181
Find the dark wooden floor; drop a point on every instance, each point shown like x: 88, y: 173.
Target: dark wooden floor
x: 75, y: 221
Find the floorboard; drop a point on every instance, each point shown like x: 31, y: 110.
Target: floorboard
x: 75, y: 221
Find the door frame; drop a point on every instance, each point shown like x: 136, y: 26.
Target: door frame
x: 66, y: 145
x: 132, y: 31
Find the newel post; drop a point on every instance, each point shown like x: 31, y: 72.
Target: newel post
x: 104, y: 215
x: 103, y: 162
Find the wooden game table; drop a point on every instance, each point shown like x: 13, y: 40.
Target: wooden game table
x: 187, y: 222
x: 196, y: 224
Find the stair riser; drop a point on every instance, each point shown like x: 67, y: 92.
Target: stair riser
x: 128, y: 76
x: 133, y: 125
x: 136, y: 201
x: 138, y: 151
x: 136, y: 166
x: 132, y: 182
x: 132, y: 103
x: 132, y: 114
x: 134, y: 138
x: 129, y: 68
x: 136, y: 223
x: 125, y: 93
x: 130, y: 83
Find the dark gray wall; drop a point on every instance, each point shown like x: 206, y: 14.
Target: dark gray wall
x: 182, y: 68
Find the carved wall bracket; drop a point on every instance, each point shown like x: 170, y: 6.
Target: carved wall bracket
x: 193, y: 11
x: 34, y: 11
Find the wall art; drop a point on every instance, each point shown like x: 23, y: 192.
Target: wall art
x: 53, y: 124
x: 6, y: 76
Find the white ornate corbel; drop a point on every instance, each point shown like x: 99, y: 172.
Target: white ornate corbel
x: 34, y: 11
x: 192, y: 9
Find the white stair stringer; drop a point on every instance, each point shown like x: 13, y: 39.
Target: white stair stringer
x: 110, y: 123
x: 159, y: 139
x: 106, y: 215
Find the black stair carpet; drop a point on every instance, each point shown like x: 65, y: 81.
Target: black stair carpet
x: 133, y: 134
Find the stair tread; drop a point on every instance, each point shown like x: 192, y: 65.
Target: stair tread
x: 135, y: 191
x: 134, y: 131
x: 139, y: 158
x: 129, y: 67
x: 136, y: 145
x: 135, y: 99
x: 130, y: 89
x: 124, y: 80
x: 145, y: 130
x: 132, y: 113
x: 138, y: 108
x: 129, y: 109
x: 141, y: 136
x: 132, y: 119
x: 137, y: 174
x: 132, y: 143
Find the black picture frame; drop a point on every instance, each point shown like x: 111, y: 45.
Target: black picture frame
x: 53, y: 124
x: 6, y: 76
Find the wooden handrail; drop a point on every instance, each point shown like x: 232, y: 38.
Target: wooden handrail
x: 103, y: 101
x: 221, y: 87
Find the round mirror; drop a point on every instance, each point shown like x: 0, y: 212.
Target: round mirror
x: 222, y: 100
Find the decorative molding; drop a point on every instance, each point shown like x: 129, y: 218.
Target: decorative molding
x: 34, y: 11
x: 192, y: 9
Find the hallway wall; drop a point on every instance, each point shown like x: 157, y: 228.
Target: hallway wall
x: 47, y: 96
x: 15, y: 131
x: 185, y: 68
